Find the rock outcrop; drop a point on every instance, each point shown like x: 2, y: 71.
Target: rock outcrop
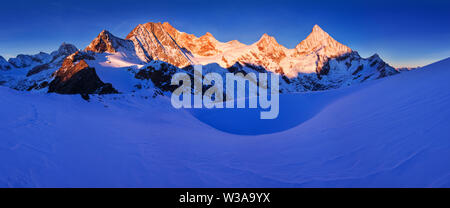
x: 76, y: 77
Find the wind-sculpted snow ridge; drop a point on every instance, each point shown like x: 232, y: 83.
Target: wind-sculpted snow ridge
x: 391, y: 132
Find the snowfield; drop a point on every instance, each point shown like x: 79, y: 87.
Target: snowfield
x: 391, y: 132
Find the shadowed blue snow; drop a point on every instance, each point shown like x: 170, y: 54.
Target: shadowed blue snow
x: 389, y: 133
x: 246, y: 121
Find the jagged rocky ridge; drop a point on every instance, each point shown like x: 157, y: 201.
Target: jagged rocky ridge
x: 153, y: 51
x: 54, y: 58
x: 33, y: 72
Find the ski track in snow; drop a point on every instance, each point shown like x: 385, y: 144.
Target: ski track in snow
x: 391, y: 132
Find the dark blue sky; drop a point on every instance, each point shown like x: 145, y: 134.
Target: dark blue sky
x: 404, y: 33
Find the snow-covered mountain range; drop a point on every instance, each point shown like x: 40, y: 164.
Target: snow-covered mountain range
x: 28, y: 72
x: 317, y: 63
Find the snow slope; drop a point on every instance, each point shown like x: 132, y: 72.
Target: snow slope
x: 391, y: 132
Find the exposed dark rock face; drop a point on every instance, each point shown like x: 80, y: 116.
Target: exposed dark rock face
x: 37, y: 86
x: 324, y: 70
x: 360, y: 67
x: 236, y: 68
x: 160, y: 76
x: 38, y: 69
x: 85, y: 96
x: 76, y: 77
x: 257, y: 68
x: 385, y: 70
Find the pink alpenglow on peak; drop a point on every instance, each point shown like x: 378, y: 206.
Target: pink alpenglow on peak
x: 163, y: 42
x: 320, y: 41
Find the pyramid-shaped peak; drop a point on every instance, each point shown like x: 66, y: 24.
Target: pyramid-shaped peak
x: 265, y: 36
x: 318, y: 33
x: 321, y: 40
x: 105, y: 34
x: 106, y: 42
x: 267, y: 39
x: 316, y: 28
x: 267, y: 42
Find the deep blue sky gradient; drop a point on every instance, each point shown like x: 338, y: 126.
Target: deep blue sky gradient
x: 403, y: 33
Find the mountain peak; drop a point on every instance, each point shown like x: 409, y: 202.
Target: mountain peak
x: 319, y: 40
x: 156, y: 23
x: 375, y: 56
x: 266, y: 36
x: 318, y: 34
x: 208, y: 34
x: 316, y: 28
x: 169, y: 28
x: 107, y: 42
x: 105, y: 32
x: 149, y: 26
x: 101, y: 43
x: 64, y: 50
x: 266, y: 39
x: 167, y: 24
x: 67, y: 48
x: 156, y: 41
